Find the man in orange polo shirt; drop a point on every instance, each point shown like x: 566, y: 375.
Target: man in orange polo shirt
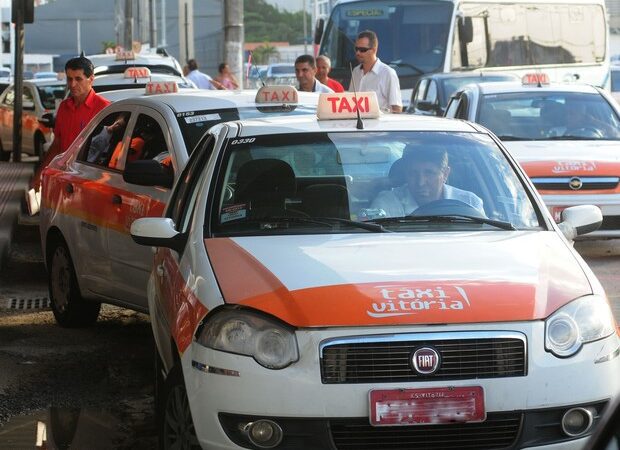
x: 75, y: 112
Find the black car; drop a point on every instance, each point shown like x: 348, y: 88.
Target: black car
x: 432, y: 92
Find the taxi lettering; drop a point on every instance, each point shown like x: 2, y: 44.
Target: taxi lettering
x: 341, y: 104
x: 278, y: 96
x: 161, y: 87
x: 401, y: 301
x: 572, y: 166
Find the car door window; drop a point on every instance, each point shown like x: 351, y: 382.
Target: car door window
x: 27, y: 99
x: 184, y: 196
x: 452, y: 107
x: 431, y: 93
x: 420, y: 90
x: 147, y: 142
x: 105, y: 139
x: 461, y: 111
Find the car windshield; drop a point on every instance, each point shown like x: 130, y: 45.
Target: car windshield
x: 282, y: 70
x: 194, y: 124
x: 549, y: 116
x: 368, y: 182
x: 49, y: 94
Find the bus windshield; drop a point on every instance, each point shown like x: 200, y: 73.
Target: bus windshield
x: 413, y: 36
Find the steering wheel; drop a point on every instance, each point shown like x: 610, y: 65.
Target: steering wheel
x: 587, y: 131
x: 446, y: 207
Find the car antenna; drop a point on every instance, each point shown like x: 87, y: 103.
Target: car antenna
x: 360, y: 124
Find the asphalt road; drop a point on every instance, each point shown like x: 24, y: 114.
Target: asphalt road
x: 93, y: 388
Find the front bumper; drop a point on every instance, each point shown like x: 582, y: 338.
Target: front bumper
x: 335, y: 416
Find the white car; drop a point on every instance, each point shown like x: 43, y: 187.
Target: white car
x: 39, y: 97
x: 119, y: 168
x: 291, y: 312
x: 156, y: 61
x: 566, y: 137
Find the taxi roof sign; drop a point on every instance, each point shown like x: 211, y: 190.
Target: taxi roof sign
x: 281, y: 94
x: 161, y: 87
x: 125, y: 55
x: 345, y: 105
x: 137, y: 72
x: 535, y: 79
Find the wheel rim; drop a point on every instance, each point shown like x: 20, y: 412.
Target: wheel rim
x: 179, y: 432
x: 61, y: 279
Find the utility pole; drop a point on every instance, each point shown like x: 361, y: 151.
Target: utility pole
x: 186, y: 29
x: 234, y: 36
x: 128, y: 38
x: 152, y: 24
x: 305, y: 28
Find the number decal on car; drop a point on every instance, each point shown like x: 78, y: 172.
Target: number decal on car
x: 243, y: 141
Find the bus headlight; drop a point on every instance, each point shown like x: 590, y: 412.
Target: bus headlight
x: 584, y: 320
x: 272, y: 344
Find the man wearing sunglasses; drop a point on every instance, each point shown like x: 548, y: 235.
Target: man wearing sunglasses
x: 374, y: 75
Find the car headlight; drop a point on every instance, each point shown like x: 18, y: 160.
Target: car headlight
x: 270, y: 343
x: 584, y: 320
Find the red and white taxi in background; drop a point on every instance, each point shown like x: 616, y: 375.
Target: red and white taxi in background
x: 291, y: 311
x: 566, y: 137
x: 121, y: 167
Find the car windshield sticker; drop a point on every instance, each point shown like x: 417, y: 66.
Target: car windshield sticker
x: 202, y: 118
x: 407, y: 300
x: 234, y: 212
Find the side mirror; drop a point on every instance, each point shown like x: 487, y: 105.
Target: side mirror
x: 47, y: 120
x: 427, y: 106
x: 579, y: 220
x: 157, y: 232
x: 466, y: 30
x: 318, y: 31
x: 147, y: 172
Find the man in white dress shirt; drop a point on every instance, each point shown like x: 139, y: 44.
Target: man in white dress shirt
x: 426, y: 172
x: 201, y: 80
x: 305, y: 71
x: 374, y: 75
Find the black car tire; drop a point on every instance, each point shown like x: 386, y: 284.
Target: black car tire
x: 68, y: 306
x: 176, y: 427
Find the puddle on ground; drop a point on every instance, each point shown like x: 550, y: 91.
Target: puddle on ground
x: 69, y: 428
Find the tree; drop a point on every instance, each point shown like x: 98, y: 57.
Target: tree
x: 107, y: 44
x: 262, y: 53
x: 266, y: 23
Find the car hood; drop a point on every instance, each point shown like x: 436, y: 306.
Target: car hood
x: 404, y: 278
x: 567, y: 158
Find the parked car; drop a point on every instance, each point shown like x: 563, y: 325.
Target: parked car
x: 290, y: 313
x: 281, y: 73
x: 47, y: 75
x: 432, y: 92
x: 119, y: 168
x: 614, y: 73
x: 39, y: 97
x: 566, y: 137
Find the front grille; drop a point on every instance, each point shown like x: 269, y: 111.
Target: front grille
x: 385, y: 361
x: 500, y: 430
x: 563, y: 183
x: 610, y: 223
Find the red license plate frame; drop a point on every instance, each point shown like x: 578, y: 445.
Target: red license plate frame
x: 426, y: 406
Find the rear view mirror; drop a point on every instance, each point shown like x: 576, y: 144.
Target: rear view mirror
x: 318, y: 31
x: 147, y: 172
x: 466, y: 30
x: 425, y: 105
x: 47, y: 120
x: 578, y: 220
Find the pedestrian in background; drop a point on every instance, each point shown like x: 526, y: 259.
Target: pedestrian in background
x: 201, y: 80
x: 323, y: 67
x: 305, y: 71
x: 75, y: 112
x: 226, y: 77
x: 374, y: 75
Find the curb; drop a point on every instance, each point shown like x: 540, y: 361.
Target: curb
x: 14, y: 179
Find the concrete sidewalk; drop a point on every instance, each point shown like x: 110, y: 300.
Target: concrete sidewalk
x: 14, y: 179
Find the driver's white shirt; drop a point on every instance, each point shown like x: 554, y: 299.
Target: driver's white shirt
x: 399, y: 202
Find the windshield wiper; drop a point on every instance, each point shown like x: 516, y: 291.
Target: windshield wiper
x: 324, y: 221
x: 449, y: 218
x: 399, y: 63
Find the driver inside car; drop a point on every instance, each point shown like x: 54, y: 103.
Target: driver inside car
x: 426, y: 173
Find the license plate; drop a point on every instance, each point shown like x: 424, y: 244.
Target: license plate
x: 390, y: 407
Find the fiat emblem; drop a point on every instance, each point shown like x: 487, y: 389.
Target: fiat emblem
x: 575, y: 183
x: 425, y: 360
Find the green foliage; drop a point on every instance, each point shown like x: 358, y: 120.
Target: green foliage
x: 261, y: 54
x: 266, y: 23
x: 107, y: 44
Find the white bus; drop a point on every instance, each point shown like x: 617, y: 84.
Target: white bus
x: 567, y: 39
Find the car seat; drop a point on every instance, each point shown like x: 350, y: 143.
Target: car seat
x: 326, y: 200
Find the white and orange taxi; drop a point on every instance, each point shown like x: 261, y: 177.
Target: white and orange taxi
x: 566, y: 137
x: 293, y: 308
x: 119, y: 168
